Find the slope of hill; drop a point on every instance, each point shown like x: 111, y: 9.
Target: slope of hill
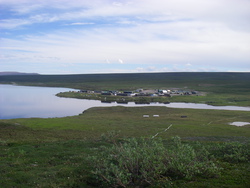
x: 16, y: 73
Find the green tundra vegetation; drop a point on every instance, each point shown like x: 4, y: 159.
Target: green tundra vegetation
x: 220, y: 88
x: 118, y: 147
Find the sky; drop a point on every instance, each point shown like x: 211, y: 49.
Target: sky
x: 124, y: 36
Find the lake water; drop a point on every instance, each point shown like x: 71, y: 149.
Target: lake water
x: 239, y: 123
x: 26, y: 102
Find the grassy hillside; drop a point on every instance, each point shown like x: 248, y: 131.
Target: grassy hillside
x: 216, y: 82
x: 220, y: 88
x: 62, y: 152
x: 129, y: 120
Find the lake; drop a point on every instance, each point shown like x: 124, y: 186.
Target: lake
x: 26, y: 102
x: 239, y: 123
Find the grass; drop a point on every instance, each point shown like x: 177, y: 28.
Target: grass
x: 95, y: 121
x: 52, y: 164
x: 53, y: 152
x: 216, y: 82
x: 221, y: 88
x: 227, y: 99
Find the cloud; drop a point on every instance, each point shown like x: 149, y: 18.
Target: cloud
x: 137, y: 47
x: 188, y: 33
x: 223, y: 11
x: 81, y: 23
x: 120, y: 61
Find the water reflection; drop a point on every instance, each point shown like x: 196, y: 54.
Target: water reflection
x: 26, y: 102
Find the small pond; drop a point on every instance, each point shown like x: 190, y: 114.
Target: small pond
x: 239, y: 123
x: 27, y: 102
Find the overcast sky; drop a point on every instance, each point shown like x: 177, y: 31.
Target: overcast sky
x: 109, y: 36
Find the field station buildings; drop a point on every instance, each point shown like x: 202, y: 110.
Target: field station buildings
x: 142, y: 92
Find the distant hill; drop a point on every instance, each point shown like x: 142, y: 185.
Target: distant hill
x: 16, y: 73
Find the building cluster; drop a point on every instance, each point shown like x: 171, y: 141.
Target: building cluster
x: 141, y: 92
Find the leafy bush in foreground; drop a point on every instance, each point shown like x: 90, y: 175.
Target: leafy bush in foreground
x: 234, y: 152
x: 143, y: 162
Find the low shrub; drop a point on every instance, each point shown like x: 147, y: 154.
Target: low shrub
x: 143, y: 162
x: 187, y: 162
x: 232, y: 152
x: 110, y: 136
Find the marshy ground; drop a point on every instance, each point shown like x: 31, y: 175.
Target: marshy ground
x: 53, y: 152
